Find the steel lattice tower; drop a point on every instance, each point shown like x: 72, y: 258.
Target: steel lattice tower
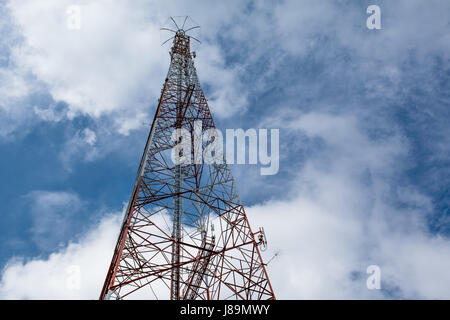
x: 185, y: 234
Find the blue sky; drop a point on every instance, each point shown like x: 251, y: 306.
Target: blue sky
x: 364, y: 137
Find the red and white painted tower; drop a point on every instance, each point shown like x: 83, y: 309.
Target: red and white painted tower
x: 185, y: 234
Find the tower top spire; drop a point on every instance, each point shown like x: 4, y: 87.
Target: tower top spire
x: 180, y: 29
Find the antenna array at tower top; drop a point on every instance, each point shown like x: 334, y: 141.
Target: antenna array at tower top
x: 183, y: 25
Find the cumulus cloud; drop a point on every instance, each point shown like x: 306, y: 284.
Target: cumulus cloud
x: 98, y: 68
x: 109, y: 72
x: 115, y: 66
x: 340, y: 217
x: 73, y: 272
x: 324, y: 253
x: 347, y: 212
x: 113, y: 63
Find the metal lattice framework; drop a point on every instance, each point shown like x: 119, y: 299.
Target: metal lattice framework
x: 185, y: 234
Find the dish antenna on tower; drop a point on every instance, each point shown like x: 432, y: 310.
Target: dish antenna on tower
x: 183, y: 25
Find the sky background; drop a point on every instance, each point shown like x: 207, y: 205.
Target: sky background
x: 363, y: 115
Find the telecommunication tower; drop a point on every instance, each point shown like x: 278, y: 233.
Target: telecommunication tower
x: 185, y: 234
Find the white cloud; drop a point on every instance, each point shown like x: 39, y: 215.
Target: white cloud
x: 52, y: 216
x: 228, y: 95
x: 14, y: 109
x: 321, y: 248
x: 81, y: 146
x: 115, y: 66
x: 89, y: 136
x: 114, y: 63
x: 56, y: 276
x: 343, y: 217
x: 106, y: 65
x: 12, y: 85
x: 406, y: 25
x: 126, y: 124
x: 76, y: 271
x: 52, y: 113
x: 340, y: 218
